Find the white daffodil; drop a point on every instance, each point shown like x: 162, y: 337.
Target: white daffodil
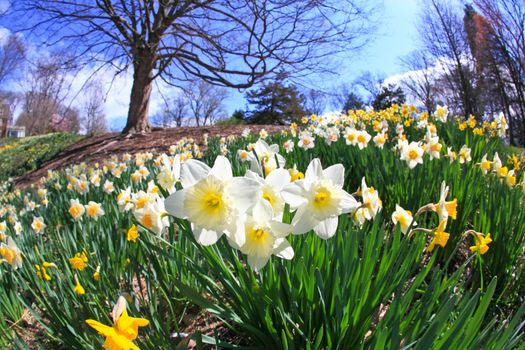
x: 266, y: 158
x: 464, y: 154
x: 371, y: 202
x: 124, y: 200
x: 496, y: 162
x: 433, y: 148
x: 288, y: 146
x: 265, y: 237
x: 152, y: 216
x: 362, y: 139
x: 270, y: 189
x: 38, y: 224
x: 169, y: 172
x: 350, y: 136
x: 379, y: 140
x: 306, y: 140
x: 444, y: 208
x: 441, y: 113
x: 94, y: 210
x: 212, y: 200
x: 403, y: 217
x: 108, y: 187
x: 485, y: 165
x: 319, y: 199
x: 412, y: 154
x: 10, y: 254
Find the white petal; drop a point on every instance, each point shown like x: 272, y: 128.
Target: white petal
x: 280, y: 159
x: 206, y: 237
x: 313, y: 172
x: 326, y: 228
x: 236, y: 234
x: 176, y: 167
x: 255, y: 176
x: 262, y: 212
x: 278, y: 178
x: 336, y: 173
x: 257, y: 262
x: 348, y: 203
x: 283, y: 249
x: 294, y: 195
x: 222, y: 169
x: 244, y: 192
x: 174, y: 204
x: 303, y: 222
x: 280, y: 229
x: 192, y: 172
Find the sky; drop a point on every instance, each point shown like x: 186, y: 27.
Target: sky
x: 396, y: 36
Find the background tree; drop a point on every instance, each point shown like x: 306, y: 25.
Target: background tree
x: 276, y: 103
x: 174, y: 112
x: 12, y: 57
x: 316, y: 101
x: 46, y: 89
x: 205, y: 102
x: 421, y: 79
x: 387, y: 96
x: 233, y: 43
x: 94, y: 117
x: 445, y: 40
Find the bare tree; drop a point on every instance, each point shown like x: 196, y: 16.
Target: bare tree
x: 94, y: 117
x: 371, y: 83
x: 44, y: 104
x: 421, y: 79
x: 445, y: 39
x: 233, y: 43
x: 316, y: 101
x: 174, y: 113
x: 205, y: 101
x: 12, y: 55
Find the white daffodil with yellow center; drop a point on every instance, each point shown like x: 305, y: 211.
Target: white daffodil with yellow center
x: 212, y: 200
x: 403, y: 217
x: 412, y: 154
x: 169, y: 172
x: 371, y: 203
x: 152, y: 216
x: 266, y: 158
x: 319, y: 199
x: 270, y: 189
x: 265, y: 237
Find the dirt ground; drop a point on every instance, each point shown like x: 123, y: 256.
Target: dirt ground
x: 99, y: 148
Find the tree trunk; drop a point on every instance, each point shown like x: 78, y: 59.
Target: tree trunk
x: 138, y: 121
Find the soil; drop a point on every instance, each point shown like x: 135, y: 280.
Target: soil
x: 100, y: 148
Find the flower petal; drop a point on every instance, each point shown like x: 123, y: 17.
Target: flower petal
x: 327, y: 228
x: 206, y: 237
x: 222, y: 169
x: 278, y: 178
x: 293, y: 194
x: 174, y: 204
x: 193, y: 171
x: 336, y: 173
x: 303, y: 221
x: 348, y: 203
x: 283, y: 249
x: 244, y: 192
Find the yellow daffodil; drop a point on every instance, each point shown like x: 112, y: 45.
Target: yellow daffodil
x: 79, y: 290
x: 440, y: 236
x: 79, y: 261
x: 481, y: 242
x: 132, y: 234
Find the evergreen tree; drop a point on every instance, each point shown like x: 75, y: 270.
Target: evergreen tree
x: 276, y: 103
x: 388, y: 96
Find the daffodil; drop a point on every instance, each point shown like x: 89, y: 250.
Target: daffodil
x: 11, y: 254
x: 79, y: 290
x: 132, y: 233
x: 38, y: 224
x: 212, y: 200
x: 265, y: 237
x: 266, y: 159
x: 319, y: 199
x: 404, y: 218
x: 440, y: 236
x: 76, y: 210
x: 464, y: 155
x: 79, y: 261
x: 94, y: 210
x: 412, y: 154
x: 270, y: 189
x: 485, y: 165
x: 441, y: 113
x: 481, y: 242
x: 124, y: 330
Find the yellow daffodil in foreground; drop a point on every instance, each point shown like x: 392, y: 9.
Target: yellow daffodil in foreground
x: 319, y: 199
x: 124, y: 330
x: 440, y: 236
x: 444, y: 208
x: 481, y: 242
